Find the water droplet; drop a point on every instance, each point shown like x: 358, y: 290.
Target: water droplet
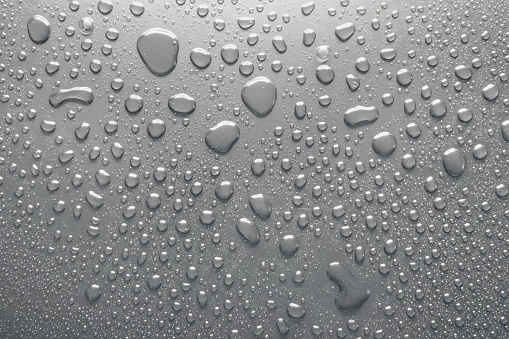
x: 454, y: 162
x: 83, y: 95
x: 93, y: 292
x: 361, y: 115
x: 384, y: 143
x: 260, y: 205
x: 352, y: 292
x: 259, y: 95
x: 222, y: 136
x: 39, y: 29
x: 200, y: 58
x: 182, y: 103
x: 248, y: 230
x: 156, y: 128
x: 345, y: 31
x: 158, y: 48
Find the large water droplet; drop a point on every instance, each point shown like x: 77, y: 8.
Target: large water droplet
x: 454, y: 162
x: 352, y: 292
x: 345, y: 31
x: 83, y: 95
x: 360, y: 115
x: 39, y: 29
x: 222, y: 136
x: 158, y: 48
x: 248, y: 230
x: 259, y: 95
x: 182, y: 103
x: 384, y: 143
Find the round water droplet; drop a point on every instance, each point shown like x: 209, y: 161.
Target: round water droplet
x: 437, y: 108
x: 384, y: 143
x: 504, y: 128
x: 465, y: 115
x: 154, y: 282
x: 133, y: 103
x: 490, y: 92
x: 137, y: 8
x: 325, y: 74
x: 295, y: 311
x: 225, y: 190
x: 245, y: 22
x: 404, y: 77
x: 289, y: 245
x: 345, y: 31
x: 463, y: 72
x: 230, y: 54
x: 105, y: 6
x: 156, y: 128
x: 200, y: 58
x: 86, y: 26
x: 182, y: 103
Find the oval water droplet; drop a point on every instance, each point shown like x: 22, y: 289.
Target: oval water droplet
x: 39, y: 29
x: 384, y: 143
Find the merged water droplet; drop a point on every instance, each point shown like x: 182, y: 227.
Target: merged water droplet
x: 82, y: 95
x: 222, y: 136
x: 361, y: 115
x: 352, y: 292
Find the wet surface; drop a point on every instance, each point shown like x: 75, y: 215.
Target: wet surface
x: 227, y: 169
